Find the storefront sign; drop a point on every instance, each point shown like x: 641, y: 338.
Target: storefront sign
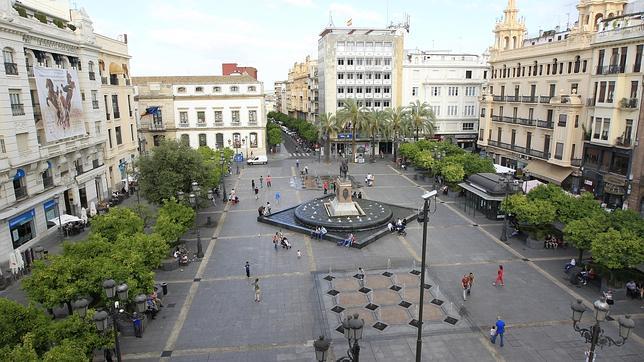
x: 588, y: 182
x: 21, y: 219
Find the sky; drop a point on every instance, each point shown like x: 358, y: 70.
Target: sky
x: 193, y: 37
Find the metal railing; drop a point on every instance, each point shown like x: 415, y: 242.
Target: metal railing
x: 155, y: 126
x: 20, y: 192
x: 92, y: 76
x: 628, y: 103
x: 610, y: 69
x: 201, y: 124
x: 184, y: 125
x: 512, y: 99
x: 545, y: 124
x: 11, y: 68
x: 17, y: 109
x: 519, y: 149
x: 95, y: 105
x: 544, y: 99
x: 529, y: 99
x: 498, y: 98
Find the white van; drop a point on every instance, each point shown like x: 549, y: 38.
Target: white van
x: 257, y: 160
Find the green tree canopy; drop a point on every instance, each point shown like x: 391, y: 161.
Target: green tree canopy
x: 616, y: 250
x: 174, y: 219
x: 353, y: 115
x: 119, y: 221
x: 422, y: 119
x: 274, y: 136
x: 582, y: 232
x: 453, y: 173
x: 172, y: 167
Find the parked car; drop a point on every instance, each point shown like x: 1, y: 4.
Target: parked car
x: 257, y: 160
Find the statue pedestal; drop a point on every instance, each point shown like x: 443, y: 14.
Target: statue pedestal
x: 342, y: 204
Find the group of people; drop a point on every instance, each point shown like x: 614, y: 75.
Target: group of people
x: 280, y: 239
x: 181, y: 255
x: 348, y: 241
x: 635, y: 290
x: 553, y: 242
x: 233, y: 198
x: 319, y: 232
x: 264, y: 210
x: 399, y: 226
x: 466, y: 283
x: 369, y: 179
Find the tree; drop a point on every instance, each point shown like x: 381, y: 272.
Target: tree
x: 274, y: 137
x: 152, y: 247
x: 17, y: 320
x: 172, y: 167
x: 213, y: 159
x: 581, y: 233
x: 120, y: 220
x: 452, y: 173
x: 472, y: 163
x: 617, y: 250
x: 422, y: 118
x: 328, y: 125
x: 424, y: 160
x: 398, y: 119
x: 375, y: 126
x: 174, y: 220
x: 627, y: 220
x: 355, y: 116
x: 538, y: 214
x: 571, y: 208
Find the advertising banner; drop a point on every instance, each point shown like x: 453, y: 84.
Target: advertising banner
x: 60, y: 102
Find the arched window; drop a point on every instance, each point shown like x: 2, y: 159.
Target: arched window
x: 185, y: 139
x: 577, y: 63
x: 554, y: 66
x: 252, y: 88
x: 10, y: 66
x: 514, y: 42
x: 202, y: 140
x: 534, y: 72
x: 252, y: 138
x: 199, y: 89
x: 90, y: 70
x: 506, y: 43
x: 234, y: 88
x: 181, y: 90
x: 216, y: 89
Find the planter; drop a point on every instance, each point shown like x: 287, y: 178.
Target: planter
x: 533, y: 243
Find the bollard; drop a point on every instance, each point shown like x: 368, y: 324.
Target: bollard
x: 164, y: 287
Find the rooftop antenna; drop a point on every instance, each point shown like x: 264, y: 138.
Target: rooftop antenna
x: 568, y: 21
x: 387, y: 22
x: 330, y: 25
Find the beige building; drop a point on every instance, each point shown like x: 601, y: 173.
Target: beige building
x: 212, y: 111
x: 533, y: 114
x: 281, y: 96
x: 117, y: 96
x: 302, y: 90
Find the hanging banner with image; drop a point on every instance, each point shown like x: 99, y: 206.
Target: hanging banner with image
x: 60, y: 102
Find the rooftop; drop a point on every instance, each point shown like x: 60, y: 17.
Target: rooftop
x: 196, y: 79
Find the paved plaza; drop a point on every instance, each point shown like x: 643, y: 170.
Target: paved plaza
x: 210, y: 313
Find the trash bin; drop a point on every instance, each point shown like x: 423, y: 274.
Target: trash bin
x: 164, y: 287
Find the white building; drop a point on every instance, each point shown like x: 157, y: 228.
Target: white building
x: 281, y: 97
x: 450, y: 83
x: 213, y: 111
x: 52, y: 132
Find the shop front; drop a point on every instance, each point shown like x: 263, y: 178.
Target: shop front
x: 22, y: 228
x: 51, y: 211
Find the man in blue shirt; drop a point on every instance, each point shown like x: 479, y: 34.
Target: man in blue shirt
x: 500, y: 329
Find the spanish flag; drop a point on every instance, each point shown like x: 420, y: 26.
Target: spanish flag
x: 349, y: 22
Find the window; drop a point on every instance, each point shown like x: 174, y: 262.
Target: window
x: 634, y: 87
x: 573, y: 88
x: 386, y: 90
x: 132, y: 132
x: 198, y: 89
x: 109, y: 137
x: 235, y: 117
x: 367, y: 89
x: 470, y: 91
x: 219, y: 140
x: 10, y: 66
x: 253, y: 140
x: 340, y: 61
x: 377, y: 61
x: 563, y: 119
x: 452, y: 91
x: 468, y: 126
x: 115, y: 106
x: 435, y: 91
x: 358, y: 89
x: 181, y: 90
x: 340, y: 90
x: 436, y: 110
x: 468, y: 74
x: 576, y: 121
x: 597, y: 125
x: 219, y: 117
x: 452, y: 110
x: 252, y: 88
x: 358, y: 75
x: 129, y: 104
x: 602, y: 92
x: 385, y: 103
x: 185, y: 139
x: 349, y: 75
x: 183, y: 117
x: 611, y: 91
x: 469, y: 111
x: 350, y: 90
x: 234, y: 88
x: 414, y: 91
x: 386, y: 76
x: 216, y: 89
x: 350, y: 61
x: 553, y: 90
x: 359, y: 61
x: 377, y: 76
x: 117, y: 133
x: 340, y: 75
x: 605, y: 129
x: 3, y: 147
x: 637, y: 65
x: 201, y: 117
x: 202, y: 140
x: 387, y: 61
x: 559, y: 150
x: 17, y: 108
x: 628, y: 131
x: 252, y: 116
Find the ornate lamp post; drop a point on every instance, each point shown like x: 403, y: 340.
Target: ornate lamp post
x: 595, y: 334
x: 222, y: 159
x: 353, y: 333
x: 424, y: 218
x: 194, y: 201
x: 321, y: 346
x: 508, y: 183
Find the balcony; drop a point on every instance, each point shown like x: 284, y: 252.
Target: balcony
x: 610, y: 69
x: 11, y: 68
x: 498, y: 98
x: 512, y: 98
x: 545, y: 124
x: 92, y: 76
x: 219, y: 123
x: 94, y: 104
x: 157, y: 126
x: 20, y: 192
x: 623, y: 142
x: 519, y: 149
x: 201, y: 124
x: 235, y: 123
x: 184, y: 125
x: 18, y: 109
x: 628, y: 103
x: 544, y: 99
x: 529, y: 99
x: 515, y: 120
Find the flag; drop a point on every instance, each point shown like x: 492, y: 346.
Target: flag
x: 151, y: 110
x: 349, y: 22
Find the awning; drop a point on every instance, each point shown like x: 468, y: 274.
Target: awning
x: 503, y: 169
x: 530, y: 184
x: 547, y: 171
x: 479, y: 192
x: 65, y: 219
x: 116, y: 69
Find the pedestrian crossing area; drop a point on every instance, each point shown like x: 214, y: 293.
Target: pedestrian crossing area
x: 301, y: 154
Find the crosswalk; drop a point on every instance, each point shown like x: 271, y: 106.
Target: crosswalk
x: 300, y: 154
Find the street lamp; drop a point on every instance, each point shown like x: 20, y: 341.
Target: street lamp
x: 508, y: 182
x: 193, y: 198
x: 60, y: 222
x: 222, y: 159
x: 353, y: 333
x: 321, y: 346
x: 424, y: 218
x: 595, y: 334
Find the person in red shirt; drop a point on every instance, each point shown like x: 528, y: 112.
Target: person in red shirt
x: 465, y: 284
x: 499, y: 276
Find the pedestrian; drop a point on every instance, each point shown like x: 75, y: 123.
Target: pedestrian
x: 257, y: 290
x: 299, y: 254
x: 268, y: 207
x: 306, y: 170
x: 360, y: 194
x: 278, y: 196
x: 333, y: 187
x: 471, y: 282
x: 297, y: 163
x: 361, y: 276
x: 500, y: 330
x: 138, y: 325
x: 252, y: 184
x: 464, y: 284
x: 256, y: 193
x: 499, y: 277
x: 492, y: 333
x: 260, y: 210
x: 269, y: 181
x: 325, y: 186
x: 261, y: 182
x: 247, y: 267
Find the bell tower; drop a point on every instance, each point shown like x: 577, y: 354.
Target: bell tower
x: 509, y: 32
x: 592, y: 11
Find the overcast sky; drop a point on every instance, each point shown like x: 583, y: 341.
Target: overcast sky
x: 193, y: 37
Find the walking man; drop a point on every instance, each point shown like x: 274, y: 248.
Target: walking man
x: 277, y: 197
x: 252, y: 184
x: 261, y: 182
x: 138, y: 325
x: 499, y: 277
x: 361, y: 276
x: 325, y: 186
x: 465, y: 282
x: 258, y: 292
x: 269, y: 181
x: 333, y: 187
x: 247, y: 267
x: 306, y: 170
x: 471, y: 282
x: 256, y: 193
x: 500, y: 330
x: 297, y: 163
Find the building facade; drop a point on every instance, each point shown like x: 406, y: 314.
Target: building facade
x: 280, y: 96
x: 117, y: 96
x: 53, y: 130
x: 302, y: 90
x: 451, y: 84
x: 212, y: 111
x: 365, y: 64
x: 234, y: 69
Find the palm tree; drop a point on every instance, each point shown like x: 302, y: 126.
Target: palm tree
x: 353, y: 114
x: 398, y: 122
x: 422, y: 118
x: 327, y: 125
x: 376, y: 125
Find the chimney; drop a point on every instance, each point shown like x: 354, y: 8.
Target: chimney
x: 125, y: 38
